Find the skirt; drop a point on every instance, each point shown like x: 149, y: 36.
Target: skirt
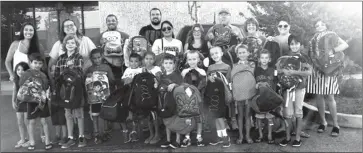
x: 322, y: 85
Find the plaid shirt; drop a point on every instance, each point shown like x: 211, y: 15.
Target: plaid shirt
x: 73, y: 61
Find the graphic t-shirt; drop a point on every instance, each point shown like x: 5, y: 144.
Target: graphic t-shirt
x: 150, y: 33
x: 173, y: 47
x: 130, y: 73
x: 267, y: 75
x: 113, y: 42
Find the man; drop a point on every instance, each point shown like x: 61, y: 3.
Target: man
x: 153, y: 30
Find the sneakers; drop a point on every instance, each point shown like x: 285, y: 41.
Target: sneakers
x: 175, y: 145
x: 200, y: 143
x: 216, y: 142
x: 321, y: 128
x: 63, y: 141
x: 166, y: 144
x: 226, y: 142
x: 126, y: 137
x: 133, y: 136
x: 70, y: 142
x: 296, y: 143
x: 284, y: 142
x: 185, y: 143
x: 335, y: 132
x: 82, y: 142
x: 98, y: 139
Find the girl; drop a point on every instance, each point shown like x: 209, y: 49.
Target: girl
x: 21, y: 109
x: 243, y: 106
x: 153, y: 124
x: 216, y: 54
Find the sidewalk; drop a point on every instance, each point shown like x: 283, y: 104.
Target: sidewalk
x: 6, y: 88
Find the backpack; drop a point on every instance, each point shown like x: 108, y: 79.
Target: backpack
x: 167, y: 106
x: 266, y: 100
x: 227, y: 92
x: 97, y: 87
x: 180, y: 125
x: 289, y: 63
x: 214, y: 95
x: 187, y: 98
x: 193, y: 77
x: 70, y: 89
x: 144, y: 95
x: 222, y: 35
x: 31, y: 91
x: 139, y: 45
x: 330, y: 65
x: 254, y: 47
x: 115, y: 107
x: 243, y: 82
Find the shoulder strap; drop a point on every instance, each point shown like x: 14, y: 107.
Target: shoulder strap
x: 19, y: 45
x: 162, y: 45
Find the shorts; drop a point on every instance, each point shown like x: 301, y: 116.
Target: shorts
x: 264, y: 115
x: 22, y: 108
x: 242, y: 102
x: 33, y: 113
x: 198, y: 119
x: 74, y: 113
x: 294, y: 107
x: 95, y: 109
x: 58, y: 116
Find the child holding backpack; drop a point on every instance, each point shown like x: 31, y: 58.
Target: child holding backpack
x: 101, y: 78
x: 265, y: 74
x: 193, y: 60
x: 216, y: 54
x: 73, y: 61
x: 295, y: 95
x: 33, y: 85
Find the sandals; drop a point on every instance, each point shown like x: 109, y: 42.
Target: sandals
x: 258, y: 140
x: 31, y: 147
x: 335, y: 132
x: 321, y: 128
x: 271, y: 141
x: 48, y: 146
x: 239, y: 141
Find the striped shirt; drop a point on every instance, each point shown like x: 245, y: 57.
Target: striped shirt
x: 75, y: 60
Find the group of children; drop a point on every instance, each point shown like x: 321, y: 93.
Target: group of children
x: 63, y: 119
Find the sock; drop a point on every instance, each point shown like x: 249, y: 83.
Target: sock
x: 70, y: 137
x: 199, y: 137
x: 187, y: 136
x: 81, y: 136
x: 125, y: 131
x: 219, y: 133
x: 224, y: 133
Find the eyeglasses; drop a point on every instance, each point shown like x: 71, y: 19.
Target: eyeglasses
x: 285, y: 26
x: 166, y: 28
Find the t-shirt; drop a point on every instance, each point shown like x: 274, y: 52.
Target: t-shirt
x: 85, y: 47
x: 224, y: 68
x: 104, y: 68
x: 266, y: 75
x: 167, y: 79
x: 130, y: 73
x: 173, y: 47
x: 113, y: 42
x: 150, y: 33
x: 283, y: 43
x: 156, y: 70
x: 201, y: 71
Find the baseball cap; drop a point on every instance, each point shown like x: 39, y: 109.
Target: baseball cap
x: 224, y: 10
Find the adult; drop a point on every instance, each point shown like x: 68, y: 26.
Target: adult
x: 112, y: 42
x: 323, y: 86
x: 254, y: 39
x: 19, y: 50
x: 283, y: 26
x: 152, y: 31
x: 167, y: 44
x: 195, y: 40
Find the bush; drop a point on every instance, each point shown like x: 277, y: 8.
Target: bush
x: 351, y: 88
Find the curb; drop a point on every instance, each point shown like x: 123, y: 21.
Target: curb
x: 344, y: 120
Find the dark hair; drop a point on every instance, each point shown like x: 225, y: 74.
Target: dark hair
x: 295, y: 38
x: 169, y: 57
x: 35, y: 57
x: 284, y: 17
x: 190, y: 38
x: 34, y: 42
x: 135, y: 55
x: 95, y: 51
x: 25, y: 67
x: 69, y: 37
x: 253, y: 21
x: 112, y: 15
x: 168, y: 22
x: 153, y: 9
x: 320, y: 20
x: 149, y: 53
x: 62, y: 34
x: 265, y: 51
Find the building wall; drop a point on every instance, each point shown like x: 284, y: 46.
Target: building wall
x: 133, y: 15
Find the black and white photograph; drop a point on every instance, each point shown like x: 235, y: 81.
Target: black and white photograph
x: 181, y: 76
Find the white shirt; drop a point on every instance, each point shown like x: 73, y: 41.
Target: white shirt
x: 130, y: 73
x: 172, y: 47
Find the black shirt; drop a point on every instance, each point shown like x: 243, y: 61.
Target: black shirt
x: 150, y: 33
x: 267, y: 75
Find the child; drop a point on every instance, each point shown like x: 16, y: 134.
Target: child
x: 193, y: 59
x: 149, y: 61
x: 294, y: 106
x: 72, y: 59
x: 96, y: 57
x: 20, y: 108
x: 216, y: 54
x: 33, y: 111
x: 168, y: 81
x: 264, y: 73
x: 243, y: 106
x: 127, y: 77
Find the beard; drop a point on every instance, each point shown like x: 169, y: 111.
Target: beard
x: 155, y: 22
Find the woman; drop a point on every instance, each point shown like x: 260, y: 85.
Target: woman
x: 325, y: 87
x: 20, y: 49
x: 167, y: 44
x: 195, y: 40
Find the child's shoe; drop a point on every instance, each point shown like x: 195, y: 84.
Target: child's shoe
x: 133, y: 136
x: 82, y: 142
x: 126, y: 137
x: 175, y: 145
x: 226, y: 142
x: 200, y: 142
x: 48, y: 146
x: 216, y: 142
x: 296, y: 143
x: 70, y: 142
x: 98, y: 139
x: 185, y: 143
x: 166, y: 144
x: 155, y: 140
x: 21, y: 144
x: 284, y: 142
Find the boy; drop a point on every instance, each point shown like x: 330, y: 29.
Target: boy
x: 72, y: 59
x: 33, y: 111
x: 96, y: 57
x: 168, y: 81
x: 294, y: 106
x: 264, y: 73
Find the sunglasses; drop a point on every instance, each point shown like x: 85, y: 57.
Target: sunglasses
x: 285, y: 26
x: 166, y: 28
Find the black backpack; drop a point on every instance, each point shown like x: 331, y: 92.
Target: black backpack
x: 214, y: 96
x: 144, y: 94
x: 167, y: 106
x: 115, y: 108
x: 266, y: 99
x: 70, y: 89
x: 194, y: 78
